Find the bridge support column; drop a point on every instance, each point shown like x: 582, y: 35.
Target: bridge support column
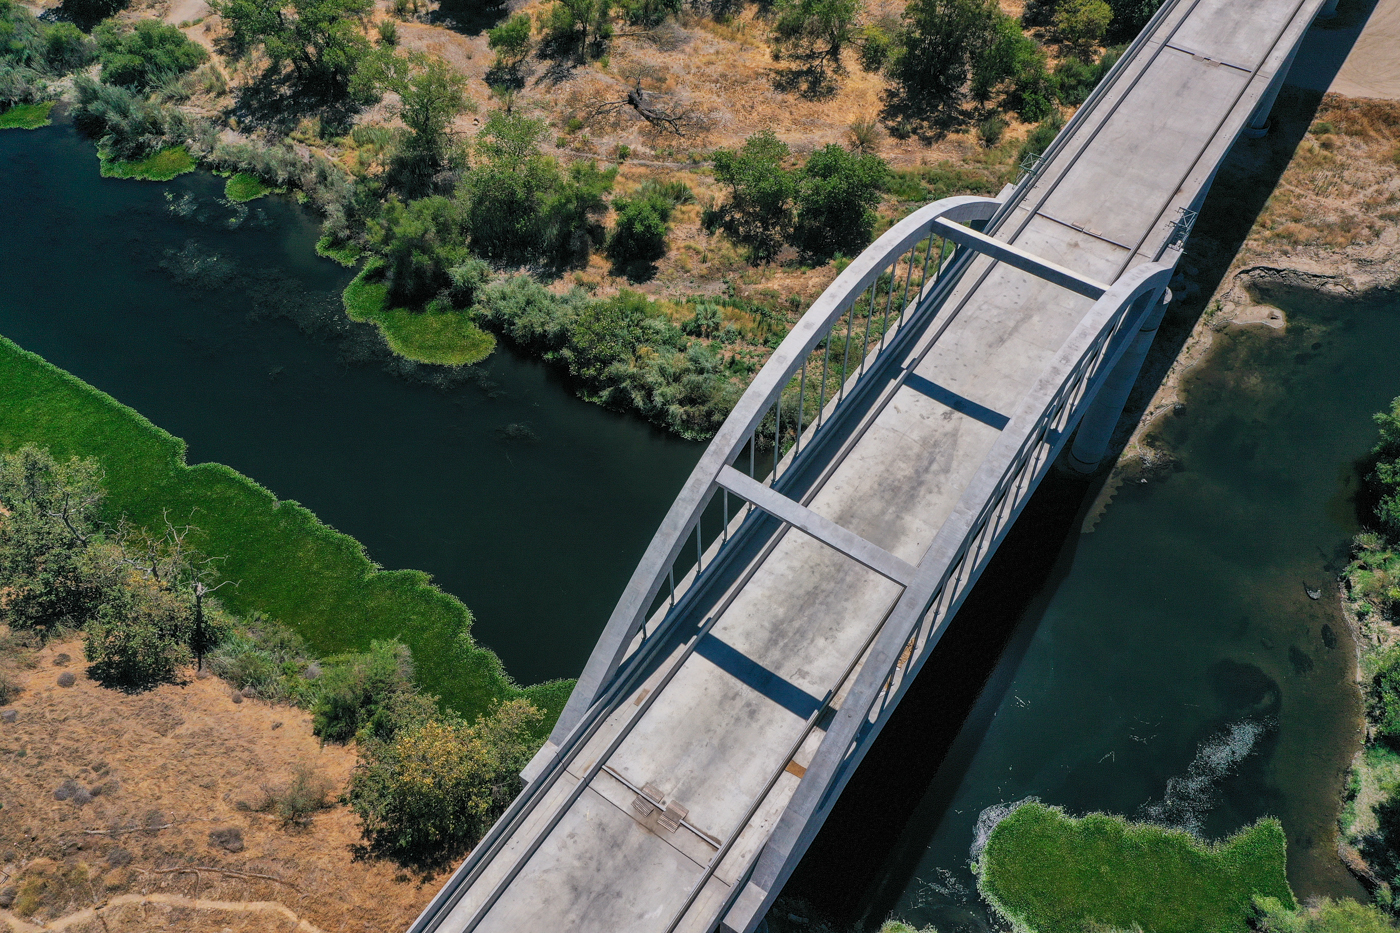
x: 1096, y: 427
x: 1258, y: 125
x: 1329, y: 10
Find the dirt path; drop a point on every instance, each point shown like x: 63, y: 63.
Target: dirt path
x: 82, y: 917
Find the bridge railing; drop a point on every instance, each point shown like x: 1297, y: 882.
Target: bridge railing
x: 989, y: 505
x: 898, y: 282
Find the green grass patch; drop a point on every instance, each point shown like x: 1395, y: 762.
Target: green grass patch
x: 446, y: 337
x: 347, y: 254
x: 26, y: 116
x: 288, y: 564
x: 245, y: 187
x: 161, y: 165
x: 1049, y: 873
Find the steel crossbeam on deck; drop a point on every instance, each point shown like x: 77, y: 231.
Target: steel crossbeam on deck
x: 823, y: 529
x: 905, y: 421
x: 1020, y: 259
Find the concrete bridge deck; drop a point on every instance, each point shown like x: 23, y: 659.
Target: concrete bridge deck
x: 654, y: 820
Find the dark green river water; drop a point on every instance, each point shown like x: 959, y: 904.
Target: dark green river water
x: 1157, y: 657
x: 224, y: 327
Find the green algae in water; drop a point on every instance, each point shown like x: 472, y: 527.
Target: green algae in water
x: 1054, y: 874
x: 161, y: 165
x: 27, y: 116
x: 448, y: 338
x: 245, y: 187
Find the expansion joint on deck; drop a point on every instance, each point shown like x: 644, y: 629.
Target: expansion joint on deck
x: 823, y: 529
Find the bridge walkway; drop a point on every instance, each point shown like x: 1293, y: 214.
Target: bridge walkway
x: 654, y: 817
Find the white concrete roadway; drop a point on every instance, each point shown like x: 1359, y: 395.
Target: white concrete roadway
x: 728, y: 720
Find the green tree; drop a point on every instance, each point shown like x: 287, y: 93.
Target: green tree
x: 53, y: 578
x: 640, y: 231
x: 511, y: 40
x: 1129, y: 16
x: 146, y: 54
x: 323, y: 41
x: 936, y: 49
x: 583, y: 26
x: 837, y: 193
x: 816, y: 30
x: 141, y: 634
x: 431, y: 95
x: 435, y: 787
x: 420, y: 241
x: 1006, y: 55
x: 1384, y: 480
x: 759, y: 211
x: 1083, y: 23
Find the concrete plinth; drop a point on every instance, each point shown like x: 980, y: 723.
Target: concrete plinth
x: 1096, y: 427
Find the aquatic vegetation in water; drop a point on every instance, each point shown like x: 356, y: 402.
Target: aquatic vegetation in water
x: 245, y: 187
x: 289, y: 565
x: 1049, y: 873
x: 1189, y: 797
x: 434, y: 335
x: 161, y: 165
x: 26, y: 116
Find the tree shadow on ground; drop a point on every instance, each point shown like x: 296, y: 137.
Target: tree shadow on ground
x: 85, y: 14
x: 808, y: 80
x: 905, y: 115
x: 469, y: 17
x: 278, y: 103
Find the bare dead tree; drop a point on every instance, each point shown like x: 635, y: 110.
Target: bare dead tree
x: 653, y: 109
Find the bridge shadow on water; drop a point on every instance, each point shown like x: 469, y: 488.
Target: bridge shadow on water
x: 870, y: 847
x: 910, y: 773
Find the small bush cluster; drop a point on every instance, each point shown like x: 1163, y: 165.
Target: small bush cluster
x: 34, y: 53
x: 824, y: 207
x: 146, y: 54
x: 62, y: 569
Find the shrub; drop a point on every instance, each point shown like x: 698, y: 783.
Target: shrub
x: 874, y: 49
x: 388, y: 32
x: 864, y: 136
x: 434, y: 789
x: 640, y: 231
x: 358, y: 688
x: 837, y: 193
x: 140, y: 636
x: 307, y: 793
x: 146, y: 54
x: 1040, y: 138
x: 991, y: 130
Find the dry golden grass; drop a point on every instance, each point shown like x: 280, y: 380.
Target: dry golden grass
x: 163, y: 770
x: 1342, y: 188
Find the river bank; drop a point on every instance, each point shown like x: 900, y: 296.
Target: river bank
x: 1318, y: 208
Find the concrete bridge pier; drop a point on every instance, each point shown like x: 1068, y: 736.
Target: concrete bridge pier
x: 1329, y: 10
x: 1096, y: 427
x: 1258, y: 125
